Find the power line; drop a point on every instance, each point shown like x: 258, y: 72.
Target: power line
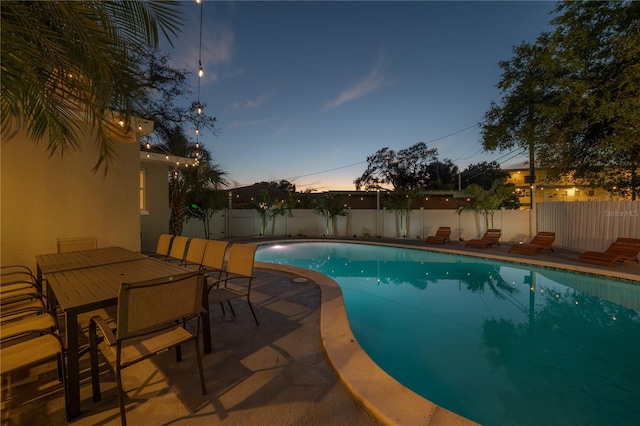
x: 364, y: 162
x: 451, y: 134
x: 326, y: 171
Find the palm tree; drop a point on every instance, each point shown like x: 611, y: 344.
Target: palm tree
x: 206, y: 192
x: 401, y: 202
x: 268, y: 209
x: 66, y: 65
x: 188, y: 180
x: 486, y: 202
x: 329, y: 207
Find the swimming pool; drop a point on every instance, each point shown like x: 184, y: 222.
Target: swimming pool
x: 499, y: 343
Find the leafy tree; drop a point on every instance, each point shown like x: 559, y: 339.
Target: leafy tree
x: 330, y: 207
x: 483, y: 174
x: 283, y: 184
x: 162, y: 101
x: 405, y: 170
x: 443, y: 175
x: 573, y: 97
x: 67, y: 64
x: 486, y: 202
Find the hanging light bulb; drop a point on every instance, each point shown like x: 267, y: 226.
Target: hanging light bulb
x: 199, y: 110
x: 166, y: 156
x: 197, y: 145
x: 148, y: 145
x: 200, y: 70
x: 197, y: 131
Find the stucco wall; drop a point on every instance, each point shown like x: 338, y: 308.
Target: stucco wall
x: 44, y: 198
x: 155, y: 221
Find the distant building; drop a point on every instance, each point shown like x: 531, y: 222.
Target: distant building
x: 552, y: 190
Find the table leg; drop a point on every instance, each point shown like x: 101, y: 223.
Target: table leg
x: 39, y: 277
x: 73, y: 363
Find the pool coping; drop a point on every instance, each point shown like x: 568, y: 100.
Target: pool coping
x: 386, y: 398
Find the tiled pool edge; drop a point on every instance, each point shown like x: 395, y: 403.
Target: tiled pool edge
x: 387, y: 399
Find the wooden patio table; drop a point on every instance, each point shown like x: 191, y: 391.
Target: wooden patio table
x: 83, y: 281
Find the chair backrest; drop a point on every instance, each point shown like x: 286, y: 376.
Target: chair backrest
x: 443, y: 231
x: 76, y: 244
x: 195, y: 251
x: 147, y: 306
x: 625, y: 240
x: 178, y: 247
x: 241, y: 259
x: 492, y: 235
x: 164, y: 242
x: 544, y: 239
x: 214, y: 254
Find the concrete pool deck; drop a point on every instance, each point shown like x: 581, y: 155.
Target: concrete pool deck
x: 300, y: 366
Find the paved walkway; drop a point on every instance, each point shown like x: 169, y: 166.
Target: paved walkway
x: 272, y: 374
x: 279, y: 373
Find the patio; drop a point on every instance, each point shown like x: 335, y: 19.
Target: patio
x: 277, y: 373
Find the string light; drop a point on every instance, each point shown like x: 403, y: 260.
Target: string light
x: 200, y: 74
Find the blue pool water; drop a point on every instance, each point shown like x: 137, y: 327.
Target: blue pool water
x: 499, y: 343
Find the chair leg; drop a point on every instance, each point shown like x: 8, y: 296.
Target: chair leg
x: 231, y: 307
x: 93, y: 351
x: 63, y: 373
x: 123, y: 417
x: 253, y: 312
x: 199, y: 359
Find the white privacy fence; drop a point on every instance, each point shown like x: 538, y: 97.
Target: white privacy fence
x: 362, y: 223
x: 578, y: 225
x: 590, y: 225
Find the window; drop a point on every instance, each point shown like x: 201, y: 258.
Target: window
x: 143, y: 198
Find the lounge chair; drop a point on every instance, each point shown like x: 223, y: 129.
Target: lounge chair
x: 491, y: 237
x: 621, y: 250
x: 629, y: 248
x: 442, y: 235
x: 541, y: 242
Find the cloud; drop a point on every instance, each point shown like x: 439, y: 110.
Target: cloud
x: 236, y: 124
x: 256, y: 103
x: 249, y: 103
x: 217, y: 45
x: 287, y: 125
x: 372, y: 82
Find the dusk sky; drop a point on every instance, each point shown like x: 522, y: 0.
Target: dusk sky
x: 305, y: 91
